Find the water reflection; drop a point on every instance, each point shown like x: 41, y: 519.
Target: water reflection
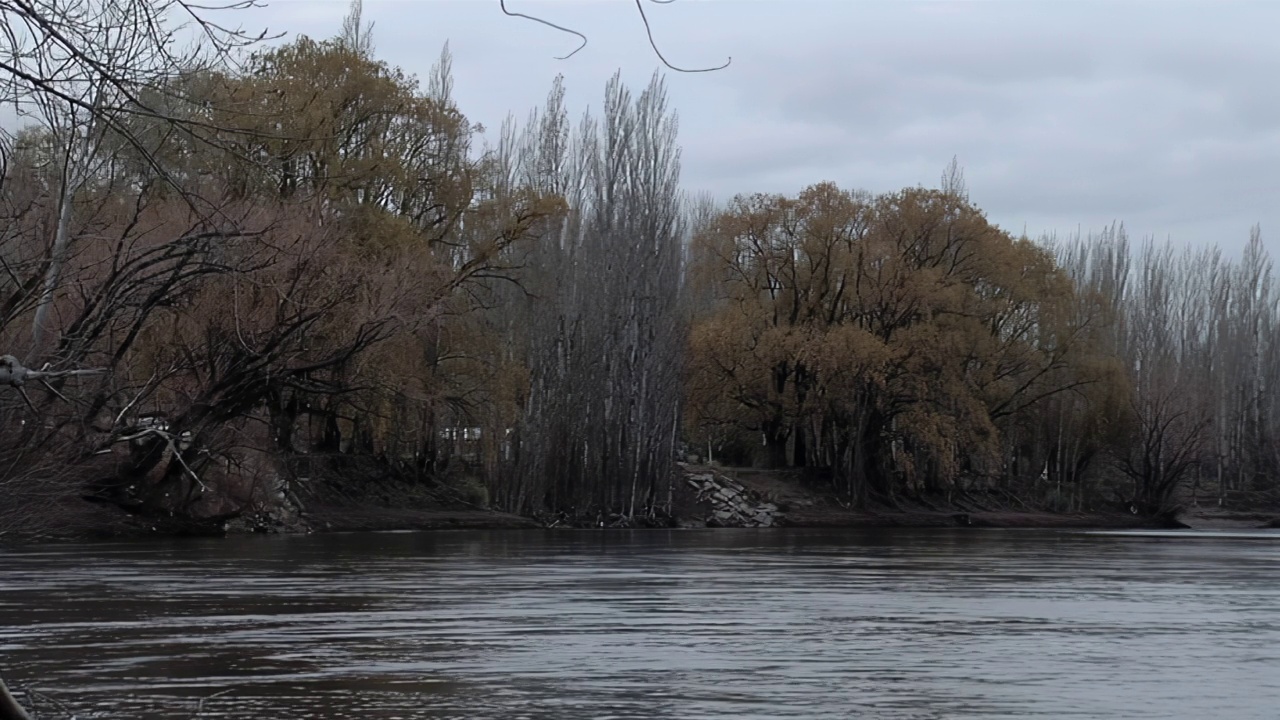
x: 652, y: 624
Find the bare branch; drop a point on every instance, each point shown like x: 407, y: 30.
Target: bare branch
x: 649, y: 31
x: 561, y: 28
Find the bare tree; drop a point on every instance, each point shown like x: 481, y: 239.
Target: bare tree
x: 111, y: 60
x: 84, y: 70
x: 1194, y: 332
x: 597, y: 439
x: 1165, y: 447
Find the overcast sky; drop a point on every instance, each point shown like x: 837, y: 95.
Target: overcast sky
x: 1064, y: 114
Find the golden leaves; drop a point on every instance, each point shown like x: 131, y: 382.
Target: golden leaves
x: 911, y: 306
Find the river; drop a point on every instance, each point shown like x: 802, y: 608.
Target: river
x: 652, y: 624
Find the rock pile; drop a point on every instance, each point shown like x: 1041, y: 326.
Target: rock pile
x: 733, y: 504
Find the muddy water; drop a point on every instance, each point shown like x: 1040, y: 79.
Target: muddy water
x: 652, y: 624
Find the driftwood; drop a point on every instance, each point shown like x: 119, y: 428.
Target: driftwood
x: 9, y: 707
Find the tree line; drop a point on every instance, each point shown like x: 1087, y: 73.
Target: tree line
x: 902, y: 345
x: 225, y: 279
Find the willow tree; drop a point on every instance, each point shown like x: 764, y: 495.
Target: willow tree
x: 380, y: 228
x: 886, y: 338
x: 87, y: 256
x: 342, y: 216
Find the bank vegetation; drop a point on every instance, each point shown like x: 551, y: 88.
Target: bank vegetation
x: 233, y: 289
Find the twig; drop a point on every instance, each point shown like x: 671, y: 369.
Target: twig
x: 177, y: 454
x: 200, y: 704
x: 54, y: 390
x: 647, y: 29
x: 503, y: 5
x: 23, y: 392
x: 135, y: 399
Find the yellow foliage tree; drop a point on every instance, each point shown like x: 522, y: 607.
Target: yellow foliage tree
x: 883, y: 337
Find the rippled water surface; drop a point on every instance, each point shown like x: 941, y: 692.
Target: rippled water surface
x: 652, y: 624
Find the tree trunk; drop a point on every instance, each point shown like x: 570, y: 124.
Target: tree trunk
x: 801, y: 451
x: 774, y: 455
x: 53, y: 273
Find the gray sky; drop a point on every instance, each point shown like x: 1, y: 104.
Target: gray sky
x: 1163, y: 114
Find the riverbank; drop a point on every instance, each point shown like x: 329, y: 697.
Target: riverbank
x: 804, y: 503
x: 711, y: 496
x: 716, y: 497
x: 703, y: 496
x: 808, y: 504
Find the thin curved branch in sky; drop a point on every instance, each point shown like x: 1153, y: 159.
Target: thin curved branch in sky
x: 648, y: 31
x: 561, y: 28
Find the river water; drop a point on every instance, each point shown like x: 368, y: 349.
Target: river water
x: 652, y: 624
